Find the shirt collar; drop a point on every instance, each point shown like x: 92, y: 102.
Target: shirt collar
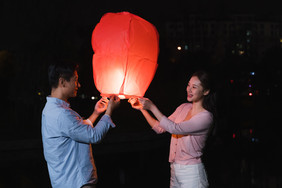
x: 58, y: 101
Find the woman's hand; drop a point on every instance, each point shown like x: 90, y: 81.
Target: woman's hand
x: 135, y: 103
x: 146, y: 103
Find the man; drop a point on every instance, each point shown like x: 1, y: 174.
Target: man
x: 66, y: 136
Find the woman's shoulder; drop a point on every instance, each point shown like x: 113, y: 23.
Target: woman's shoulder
x: 206, y: 113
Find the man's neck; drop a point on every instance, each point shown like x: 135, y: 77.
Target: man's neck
x: 57, y: 93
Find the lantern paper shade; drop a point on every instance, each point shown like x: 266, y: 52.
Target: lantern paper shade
x: 126, y: 49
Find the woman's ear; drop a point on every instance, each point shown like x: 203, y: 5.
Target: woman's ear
x: 206, y: 92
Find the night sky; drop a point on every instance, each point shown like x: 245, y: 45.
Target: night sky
x: 30, y: 22
x: 36, y: 32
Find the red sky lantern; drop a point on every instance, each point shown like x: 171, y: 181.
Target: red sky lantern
x: 126, y: 49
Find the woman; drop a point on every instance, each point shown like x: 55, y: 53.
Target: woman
x: 189, y: 126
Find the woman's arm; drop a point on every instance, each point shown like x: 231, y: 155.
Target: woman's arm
x: 151, y: 120
x: 197, y: 125
x: 135, y: 103
x: 147, y: 104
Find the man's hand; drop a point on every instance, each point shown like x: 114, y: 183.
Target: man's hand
x: 113, y: 103
x: 101, y: 105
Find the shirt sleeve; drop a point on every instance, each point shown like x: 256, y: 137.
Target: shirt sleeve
x: 197, y: 125
x: 88, y: 122
x: 73, y: 126
x: 158, y: 129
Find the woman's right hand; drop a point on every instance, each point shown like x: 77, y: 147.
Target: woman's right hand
x: 135, y: 103
x: 146, y: 103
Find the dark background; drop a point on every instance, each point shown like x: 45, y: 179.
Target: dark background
x: 244, y: 150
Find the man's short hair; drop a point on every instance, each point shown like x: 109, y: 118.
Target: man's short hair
x: 61, y: 69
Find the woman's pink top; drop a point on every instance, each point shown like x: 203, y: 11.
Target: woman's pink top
x: 188, y: 137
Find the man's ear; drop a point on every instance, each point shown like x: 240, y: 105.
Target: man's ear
x: 61, y: 82
x: 206, y: 92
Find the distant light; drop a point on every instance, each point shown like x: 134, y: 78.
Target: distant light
x: 241, y: 52
x: 179, y: 48
x: 250, y: 94
x: 281, y: 40
x: 234, y: 135
x: 251, y: 131
x: 39, y: 93
x: 93, y: 98
x: 186, y: 47
x: 252, y: 73
x: 250, y: 85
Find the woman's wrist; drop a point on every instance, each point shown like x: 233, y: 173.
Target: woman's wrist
x: 153, y: 108
x: 156, y: 112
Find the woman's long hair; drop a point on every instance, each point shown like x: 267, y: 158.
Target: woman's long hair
x: 209, y: 102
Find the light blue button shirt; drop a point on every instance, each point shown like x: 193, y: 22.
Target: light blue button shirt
x: 66, y: 143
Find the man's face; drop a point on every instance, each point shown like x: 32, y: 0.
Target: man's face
x: 71, y: 87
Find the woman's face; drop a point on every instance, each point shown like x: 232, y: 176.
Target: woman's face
x: 195, y: 90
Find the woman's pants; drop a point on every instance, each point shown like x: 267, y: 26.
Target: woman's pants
x: 188, y: 176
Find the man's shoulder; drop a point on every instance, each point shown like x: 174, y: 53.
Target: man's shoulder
x: 52, y: 107
x: 53, y: 110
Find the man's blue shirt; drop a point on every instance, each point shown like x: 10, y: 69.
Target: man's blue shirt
x: 66, y: 142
